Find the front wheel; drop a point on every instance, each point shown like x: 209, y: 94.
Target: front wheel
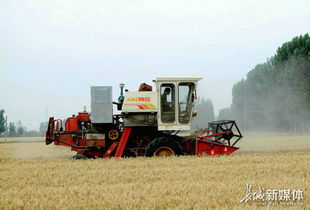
x: 163, y: 147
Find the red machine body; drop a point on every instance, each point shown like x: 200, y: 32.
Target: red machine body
x: 83, y: 116
x: 121, y: 139
x: 72, y: 124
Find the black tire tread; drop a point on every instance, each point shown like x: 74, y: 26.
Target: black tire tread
x: 79, y: 157
x: 169, y: 141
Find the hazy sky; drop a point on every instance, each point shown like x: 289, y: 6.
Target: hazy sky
x: 51, y: 52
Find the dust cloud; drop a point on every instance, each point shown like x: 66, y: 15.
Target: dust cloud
x: 273, y: 142
x: 39, y: 151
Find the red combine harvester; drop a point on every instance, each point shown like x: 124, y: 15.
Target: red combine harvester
x: 149, y: 124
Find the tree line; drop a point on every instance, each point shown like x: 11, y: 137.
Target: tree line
x: 17, y: 129
x: 275, y: 95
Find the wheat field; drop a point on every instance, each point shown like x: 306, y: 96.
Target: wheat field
x: 36, y: 176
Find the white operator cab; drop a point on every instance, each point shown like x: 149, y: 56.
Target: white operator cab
x: 176, y: 101
x: 171, y: 107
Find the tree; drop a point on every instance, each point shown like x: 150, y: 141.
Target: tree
x: 205, y: 114
x: 32, y: 133
x: 43, y: 128
x: 275, y: 95
x: 2, y: 122
x: 12, y: 130
x: 226, y: 114
x: 21, y: 130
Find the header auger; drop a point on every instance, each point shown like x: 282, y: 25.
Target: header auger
x: 148, y: 125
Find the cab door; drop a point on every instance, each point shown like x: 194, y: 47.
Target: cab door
x: 185, y: 103
x: 167, y: 103
x: 175, y: 105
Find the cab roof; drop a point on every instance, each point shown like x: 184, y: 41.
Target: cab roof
x: 178, y: 78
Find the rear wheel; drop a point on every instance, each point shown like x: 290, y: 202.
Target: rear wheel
x: 79, y: 157
x: 163, y: 147
x: 82, y: 157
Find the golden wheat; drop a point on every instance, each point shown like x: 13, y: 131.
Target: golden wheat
x: 46, y: 179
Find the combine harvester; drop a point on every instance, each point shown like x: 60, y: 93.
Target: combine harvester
x: 148, y: 125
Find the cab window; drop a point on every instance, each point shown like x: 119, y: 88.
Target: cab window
x: 185, y: 102
x: 167, y: 103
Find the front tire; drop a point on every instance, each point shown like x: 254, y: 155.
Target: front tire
x: 163, y: 147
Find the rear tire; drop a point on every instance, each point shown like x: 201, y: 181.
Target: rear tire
x: 79, y: 157
x: 164, y: 146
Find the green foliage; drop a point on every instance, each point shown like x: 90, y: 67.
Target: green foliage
x: 17, y: 129
x: 2, y: 121
x: 276, y: 95
x: 43, y: 128
x: 32, y: 133
x: 12, y: 130
x: 205, y: 114
x: 21, y: 130
x: 225, y: 114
